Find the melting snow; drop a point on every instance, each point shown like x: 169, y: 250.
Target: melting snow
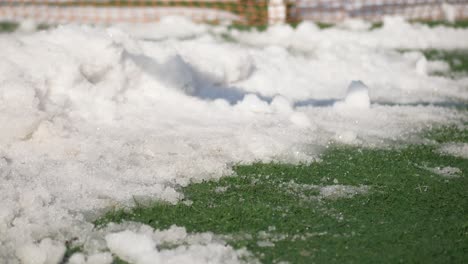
x: 342, y: 191
x: 448, y: 172
x: 455, y: 149
x: 93, y: 117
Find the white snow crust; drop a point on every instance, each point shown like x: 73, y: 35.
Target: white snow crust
x: 94, y: 118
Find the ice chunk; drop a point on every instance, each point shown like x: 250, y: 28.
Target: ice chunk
x: 357, y: 97
x: 27, y: 26
x: 421, y: 66
x: 98, y: 258
x: 300, y: 120
x: 46, y: 252
x: 281, y: 104
x: 346, y: 137
x: 253, y: 103
x: 132, y: 247
x: 139, y: 246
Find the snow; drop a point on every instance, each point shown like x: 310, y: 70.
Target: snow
x: 96, y: 118
x: 342, y: 191
x: 333, y: 192
x: 357, y: 97
x: 141, y: 247
x: 395, y: 33
x: 455, y: 149
x: 450, y: 12
x: 447, y: 172
x: 45, y: 252
x: 98, y: 258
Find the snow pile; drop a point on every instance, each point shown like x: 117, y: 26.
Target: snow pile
x: 138, y: 243
x: 357, y: 97
x: 141, y: 247
x: 95, y: 118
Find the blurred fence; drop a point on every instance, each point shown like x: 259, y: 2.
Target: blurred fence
x: 250, y: 12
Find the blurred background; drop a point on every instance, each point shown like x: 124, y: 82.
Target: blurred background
x: 242, y: 12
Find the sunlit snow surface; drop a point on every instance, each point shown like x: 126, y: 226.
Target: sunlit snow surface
x: 93, y: 117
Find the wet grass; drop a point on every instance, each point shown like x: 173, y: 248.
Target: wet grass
x: 410, y: 214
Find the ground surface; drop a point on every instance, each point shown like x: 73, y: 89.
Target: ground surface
x: 410, y: 210
x: 229, y: 145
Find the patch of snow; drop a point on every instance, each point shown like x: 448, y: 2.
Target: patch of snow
x: 342, y: 191
x: 448, y: 172
x: 334, y: 191
x: 27, y: 26
x: 265, y: 244
x: 46, y: 251
x: 141, y: 247
x: 97, y: 258
x: 221, y: 189
x: 455, y: 149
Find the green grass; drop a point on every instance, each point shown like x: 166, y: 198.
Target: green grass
x: 410, y: 214
x: 435, y: 23
x: 6, y: 26
x: 70, y: 250
x: 457, y: 59
x: 456, y: 24
x: 448, y: 134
